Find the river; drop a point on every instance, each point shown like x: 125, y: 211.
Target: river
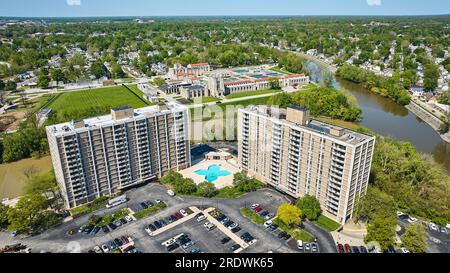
x: 391, y: 119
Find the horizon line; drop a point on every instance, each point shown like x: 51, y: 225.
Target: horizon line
x: 243, y: 15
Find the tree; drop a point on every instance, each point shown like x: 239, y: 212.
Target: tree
x: 98, y: 69
x: 310, y: 207
x: 28, y: 213
x: 289, y: 214
x: 185, y: 186
x: 431, y: 76
x: 382, y: 230
x: 206, y: 189
x: 159, y: 82
x: 43, y: 184
x: 117, y: 71
x: 374, y: 203
x: 327, y: 79
x: 274, y: 83
x: 43, y: 79
x: 415, y: 239
x: 2, y: 85
x: 57, y: 75
x: 243, y: 183
x: 3, y: 215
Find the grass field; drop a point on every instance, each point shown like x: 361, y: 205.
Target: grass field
x: 251, y: 93
x: 297, y: 233
x: 111, y: 97
x: 12, y: 177
x: 326, y: 223
x: 256, y: 218
x: 204, y: 100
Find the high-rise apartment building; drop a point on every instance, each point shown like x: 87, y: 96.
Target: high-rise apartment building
x: 300, y: 156
x: 104, y: 155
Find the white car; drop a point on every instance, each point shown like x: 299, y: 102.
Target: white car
x: 234, y: 225
x: 254, y: 206
x: 307, y: 246
x: 128, y: 218
x: 105, y: 248
x: 433, y: 227
x: 209, y: 226
x: 170, y: 193
x: 443, y: 230
x: 183, y: 212
x: 268, y: 224
x: 97, y: 249
x: 412, y: 219
x: 200, y: 218
x: 404, y: 250
x: 300, y: 244
x: 399, y: 213
x: 169, y: 242
x: 157, y: 201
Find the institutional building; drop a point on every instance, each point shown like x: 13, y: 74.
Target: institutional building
x: 104, y: 155
x: 180, y: 72
x: 300, y: 156
x: 218, y: 86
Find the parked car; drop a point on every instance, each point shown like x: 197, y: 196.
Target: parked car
x: 236, y: 229
x: 347, y: 248
x: 200, y: 217
x: 112, y: 226
x: 162, y: 222
x: 340, y: 248
x: 143, y: 205
x: 178, y: 215
x: 105, y: 229
x: 157, y: 224
x: 443, y: 230
x: 404, y: 250
x: 257, y: 210
x: 172, y: 247
x: 268, y: 216
x: 210, y: 226
x: 235, y: 247
x: 412, y: 219
x: 233, y: 225
x: 123, y: 221
x: 183, y: 212
x: 314, y: 247
x: 95, y: 230
x: 112, y: 245
x: 264, y: 213
x: 157, y: 201
x: 105, y: 248
x: 118, y: 242
x: 254, y: 206
x: 150, y: 228
x: 195, y: 250
x: 355, y: 249
x: 170, y: 193
x: 128, y: 218
x: 97, y: 249
x: 225, y: 240
x: 363, y: 249
x: 268, y: 224
x: 188, y: 244
x: 433, y: 227
x: 300, y: 244
x: 117, y: 223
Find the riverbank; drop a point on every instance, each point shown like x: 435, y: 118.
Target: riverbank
x: 429, y: 118
x: 416, y: 108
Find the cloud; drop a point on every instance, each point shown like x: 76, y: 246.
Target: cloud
x: 374, y: 2
x: 73, y: 2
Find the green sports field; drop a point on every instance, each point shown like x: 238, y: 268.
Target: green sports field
x: 111, y: 97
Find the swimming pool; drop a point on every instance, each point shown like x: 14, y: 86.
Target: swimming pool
x: 213, y: 173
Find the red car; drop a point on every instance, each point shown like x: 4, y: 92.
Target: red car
x: 340, y: 248
x: 257, y: 209
x: 348, y: 249
x: 178, y: 215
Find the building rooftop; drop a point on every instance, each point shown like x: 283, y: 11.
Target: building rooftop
x: 107, y: 120
x: 336, y: 132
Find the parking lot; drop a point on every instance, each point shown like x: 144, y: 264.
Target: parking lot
x: 59, y: 240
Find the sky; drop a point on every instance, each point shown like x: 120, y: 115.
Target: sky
x: 91, y: 8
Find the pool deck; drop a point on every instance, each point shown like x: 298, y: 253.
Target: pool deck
x: 222, y: 181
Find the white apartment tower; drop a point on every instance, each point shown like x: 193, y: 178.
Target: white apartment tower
x: 286, y: 149
x: 104, y: 155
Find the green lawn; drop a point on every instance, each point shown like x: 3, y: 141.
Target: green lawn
x: 205, y: 99
x: 296, y: 233
x: 256, y: 218
x: 151, y: 210
x: 278, y: 69
x: 98, y: 203
x: 112, y: 217
x: 77, y: 101
x: 251, y: 93
x: 326, y: 223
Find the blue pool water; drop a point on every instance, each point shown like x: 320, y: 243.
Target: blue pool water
x: 213, y: 173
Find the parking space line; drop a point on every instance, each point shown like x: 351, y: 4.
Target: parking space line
x: 195, y: 210
x: 225, y: 230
